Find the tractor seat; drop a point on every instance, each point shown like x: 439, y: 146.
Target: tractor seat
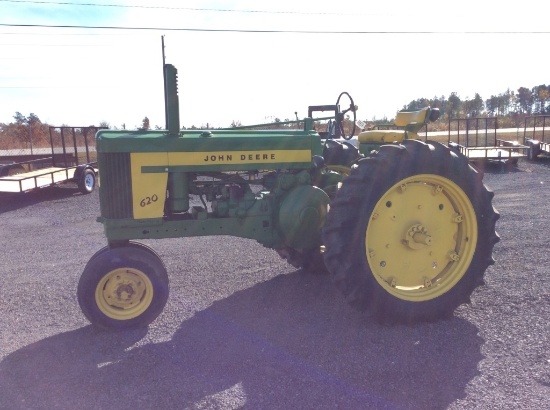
x: 381, y: 136
x: 402, y: 119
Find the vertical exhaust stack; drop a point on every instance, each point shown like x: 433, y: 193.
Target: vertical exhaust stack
x: 178, y: 183
x: 171, y: 101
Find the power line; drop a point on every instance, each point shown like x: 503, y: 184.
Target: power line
x: 53, y: 45
x: 50, y: 86
x: 57, y: 34
x: 64, y: 3
x: 263, y: 31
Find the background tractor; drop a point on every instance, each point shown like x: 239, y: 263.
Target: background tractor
x: 406, y: 228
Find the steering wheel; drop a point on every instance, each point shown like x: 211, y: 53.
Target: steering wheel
x: 341, y: 116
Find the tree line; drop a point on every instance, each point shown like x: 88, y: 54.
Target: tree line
x: 30, y: 132
x: 511, y: 108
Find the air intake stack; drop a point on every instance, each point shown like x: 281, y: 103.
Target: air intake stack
x: 171, y: 101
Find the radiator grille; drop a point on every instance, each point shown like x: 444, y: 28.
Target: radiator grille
x: 116, y: 185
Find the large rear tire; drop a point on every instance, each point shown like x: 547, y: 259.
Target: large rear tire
x: 410, y: 233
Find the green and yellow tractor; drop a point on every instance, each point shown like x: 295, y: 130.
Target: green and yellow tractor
x: 406, y: 228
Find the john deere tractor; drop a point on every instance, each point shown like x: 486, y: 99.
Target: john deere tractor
x: 406, y: 228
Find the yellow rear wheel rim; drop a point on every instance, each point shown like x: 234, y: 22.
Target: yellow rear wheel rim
x: 421, y: 237
x: 124, y: 293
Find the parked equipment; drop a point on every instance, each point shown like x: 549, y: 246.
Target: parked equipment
x: 536, y: 137
x: 405, y: 227
x: 61, y: 163
x: 478, y: 139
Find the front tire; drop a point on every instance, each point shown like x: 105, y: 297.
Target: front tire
x: 123, y: 288
x: 410, y: 233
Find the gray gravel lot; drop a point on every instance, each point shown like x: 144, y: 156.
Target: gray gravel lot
x: 242, y: 329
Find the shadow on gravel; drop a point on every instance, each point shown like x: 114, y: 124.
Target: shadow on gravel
x: 289, y: 342
x: 543, y: 160
x: 523, y: 165
x: 498, y: 167
x: 10, y: 201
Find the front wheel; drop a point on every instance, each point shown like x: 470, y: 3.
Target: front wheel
x: 123, y: 288
x: 410, y: 233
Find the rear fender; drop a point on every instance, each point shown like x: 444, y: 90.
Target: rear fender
x: 79, y: 171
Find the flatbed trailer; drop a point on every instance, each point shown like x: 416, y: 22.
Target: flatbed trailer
x: 68, y: 163
x: 84, y: 176
x: 536, y: 137
x: 477, y: 139
x: 507, y: 152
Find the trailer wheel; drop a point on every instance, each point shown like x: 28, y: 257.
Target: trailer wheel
x: 87, y: 181
x: 533, y: 150
x: 8, y: 171
x: 410, y: 233
x: 123, y: 288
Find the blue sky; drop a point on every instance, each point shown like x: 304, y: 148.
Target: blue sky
x: 84, y: 76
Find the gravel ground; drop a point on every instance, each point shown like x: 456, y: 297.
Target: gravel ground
x: 242, y: 329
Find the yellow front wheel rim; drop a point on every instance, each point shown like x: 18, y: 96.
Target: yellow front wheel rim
x: 421, y: 237
x: 124, y: 293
